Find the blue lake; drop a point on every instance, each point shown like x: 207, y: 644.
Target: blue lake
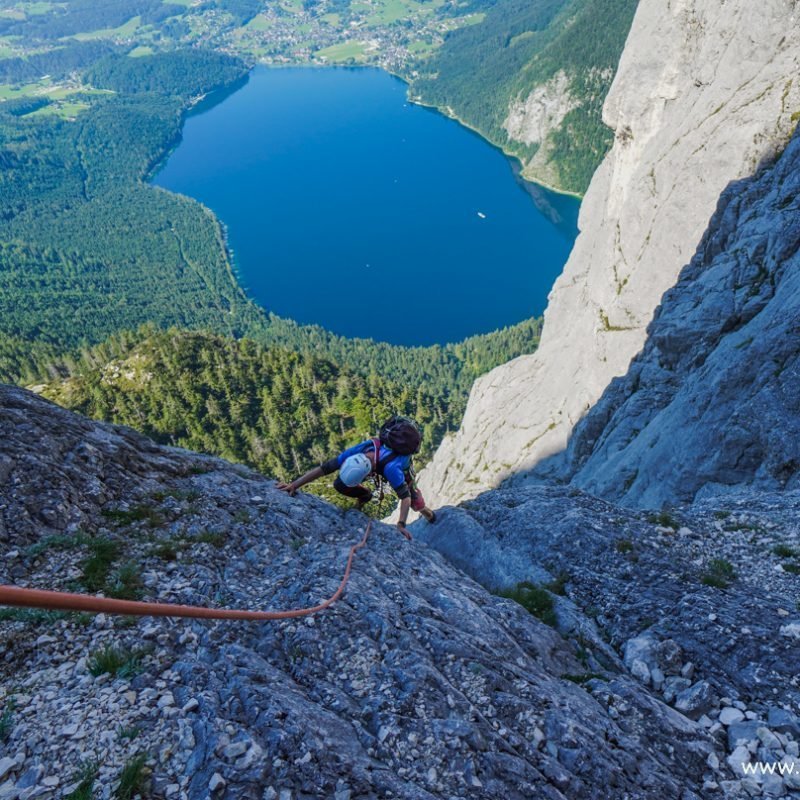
x: 349, y: 207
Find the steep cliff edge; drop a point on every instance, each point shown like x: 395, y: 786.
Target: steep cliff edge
x: 417, y: 684
x: 704, y: 92
x: 712, y: 403
x: 701, y: 603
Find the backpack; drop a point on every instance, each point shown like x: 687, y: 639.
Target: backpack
x: 401, y: 435
x: 380, y: 464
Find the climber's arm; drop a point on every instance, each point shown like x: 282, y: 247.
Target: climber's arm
x: 297, y: 483
x: 405, y: 505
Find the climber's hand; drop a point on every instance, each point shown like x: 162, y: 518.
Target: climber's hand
x: 289, y: 488
x: 402, y: 528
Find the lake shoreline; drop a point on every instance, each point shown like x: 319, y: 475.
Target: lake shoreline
x: 450, y: 114
x: 445, y: 111
x: 422, y: 197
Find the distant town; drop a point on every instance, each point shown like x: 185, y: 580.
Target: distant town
x: 396, y: 35
x: 393, y: 34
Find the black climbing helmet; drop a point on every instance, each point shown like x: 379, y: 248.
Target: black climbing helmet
x: 401, y: 434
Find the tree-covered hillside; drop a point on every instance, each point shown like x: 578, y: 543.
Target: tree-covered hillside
x: 27, y: 361
x: 55, y: 61
x: 90, y: 248
x: 477, y: 58
x: 70, y: 17
x: 482, y: 70
x: 278, y: 411
x: 446, y: 371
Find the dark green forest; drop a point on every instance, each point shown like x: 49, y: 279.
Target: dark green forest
x: 278, y: 411
x: 446, y: 371
x: 58, y: 61
x: 482, y: 68
x: 67, y: 18
x: 76, y: 16
x: 25, y: 361
x: 184, y: 73
x: 90, y: 248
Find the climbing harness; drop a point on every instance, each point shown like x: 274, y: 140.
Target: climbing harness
x: 378, y: 478
x: 67, y: 601
x: 377, y: 472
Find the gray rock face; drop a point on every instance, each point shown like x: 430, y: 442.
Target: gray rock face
x: 650, y: 659
x: 741, y: 733
x: 711, y: 649
x: 713, y: 401
x: 532, y: 120
x: 784, y: 721
x: 642, y: 578
x: 95, y: 464
x: 704, y: 91
x: 417, y: 684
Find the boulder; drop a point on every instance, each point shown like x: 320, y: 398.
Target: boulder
x: 697, y: 700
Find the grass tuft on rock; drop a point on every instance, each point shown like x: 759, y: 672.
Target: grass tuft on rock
x: 214, y: 539
x: 167, y: 550
x: 126, y: 583
x: 127, y: 516
x: 85, y: 776
x: 7, y: 721
x: 581, y: 678
x: 559, y: 584
x: 129, y: 732
x: 116, y: 661
x: 38, y: 616
x: 664, y: 519
x: 534, y: 599
x: 58, y: 542
x: 97, y: 567
x: 243, y: 516
x: 719, y: 573
x: 133, y: 779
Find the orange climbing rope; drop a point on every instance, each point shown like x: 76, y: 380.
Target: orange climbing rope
x: 67, y: 601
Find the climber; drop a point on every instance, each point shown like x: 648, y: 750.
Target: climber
x: 387, y: 456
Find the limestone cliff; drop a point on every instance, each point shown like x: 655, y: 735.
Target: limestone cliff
x: 712, y: 402
x: 705, y: 91
x: 533, y: 119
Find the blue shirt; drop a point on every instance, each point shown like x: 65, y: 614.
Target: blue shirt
x: 394, y: 471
